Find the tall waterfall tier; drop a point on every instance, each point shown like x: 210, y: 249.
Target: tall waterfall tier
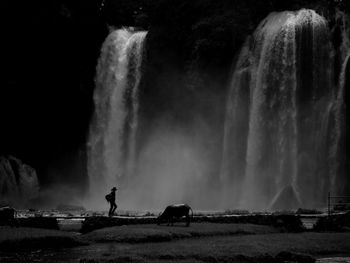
x: 112, y: 138
x: 340, y: 149
x: 277, y: 138
x: 338, y: 152
x: 18, y: 182
x: 340, y: 183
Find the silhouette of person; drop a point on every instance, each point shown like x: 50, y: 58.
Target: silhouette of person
x: 112, y: 201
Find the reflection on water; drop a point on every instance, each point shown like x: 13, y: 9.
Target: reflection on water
x: 309, y: 222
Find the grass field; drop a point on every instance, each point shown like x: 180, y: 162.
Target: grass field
x: 202, y: 242
x: 207, y: 242
x: 12, y: 238
x: 154, y: 233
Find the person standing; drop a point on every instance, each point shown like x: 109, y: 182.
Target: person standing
x: 111, y: 199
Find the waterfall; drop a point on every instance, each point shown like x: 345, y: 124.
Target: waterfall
x: 112, y: 137
x: 339, y: 152
x: 276, y: 127
x: 338, y: 144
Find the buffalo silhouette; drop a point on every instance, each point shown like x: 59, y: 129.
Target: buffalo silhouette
x: 176, y: 211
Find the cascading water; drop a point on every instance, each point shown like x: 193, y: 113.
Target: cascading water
x: 112, y: 138
x: 338, y: 145
x: 276, y: 130
x: 339, y: 170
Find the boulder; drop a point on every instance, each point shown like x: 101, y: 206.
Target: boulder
x: 7, y: 216
x: 39, y: 222
x: 287, y: 199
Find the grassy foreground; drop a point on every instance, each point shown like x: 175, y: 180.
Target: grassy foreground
x: 202, y: 242
x: 23, y: 238
x: 154, y: 233
x: 241, y: 248
x: 206, y: 242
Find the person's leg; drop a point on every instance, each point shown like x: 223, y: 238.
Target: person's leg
x: 114, y: 208
x: 110, y: 209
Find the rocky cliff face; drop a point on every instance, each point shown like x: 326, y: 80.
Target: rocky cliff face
x: 18, y: 182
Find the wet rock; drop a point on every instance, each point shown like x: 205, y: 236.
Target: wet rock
x: 286, y: 199
x: 38, y: 222
x: 7, y: 216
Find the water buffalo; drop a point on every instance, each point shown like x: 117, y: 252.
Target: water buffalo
x: 175, y: 211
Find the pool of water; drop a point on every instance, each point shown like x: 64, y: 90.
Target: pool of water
x: 309, y: 222
x: 71, y: 225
